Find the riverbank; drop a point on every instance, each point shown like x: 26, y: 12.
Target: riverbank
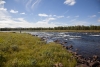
x: 81, y: 60
x: 70, y: 31
x: 25, y: 50
x: 64, y: 39
x: 85, y: 31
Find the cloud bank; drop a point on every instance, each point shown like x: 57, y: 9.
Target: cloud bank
x: 6, y: 20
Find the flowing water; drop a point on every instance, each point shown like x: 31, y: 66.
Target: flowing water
x: 87, y: 44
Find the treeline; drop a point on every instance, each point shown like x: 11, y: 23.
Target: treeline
x: 92, y: 27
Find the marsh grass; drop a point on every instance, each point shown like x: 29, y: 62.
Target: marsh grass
x: 24, y: 50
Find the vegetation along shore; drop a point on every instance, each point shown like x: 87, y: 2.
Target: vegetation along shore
x: 79, y: 28
x: 25, y: 50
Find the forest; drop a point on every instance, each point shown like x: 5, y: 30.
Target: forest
x: 92, y: 27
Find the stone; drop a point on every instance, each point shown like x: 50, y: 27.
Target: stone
x: 60, y: 65
x: 94, y: 64
x: 82, y: 65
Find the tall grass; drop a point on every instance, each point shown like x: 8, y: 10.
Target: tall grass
x: 24, y: 50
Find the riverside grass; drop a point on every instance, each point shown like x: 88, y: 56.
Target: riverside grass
x: 24, y: 50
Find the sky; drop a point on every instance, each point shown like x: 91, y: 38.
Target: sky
x: 48, y: 13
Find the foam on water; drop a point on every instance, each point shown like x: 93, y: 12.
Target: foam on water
x: 94, y: 35
x: 88, y: 44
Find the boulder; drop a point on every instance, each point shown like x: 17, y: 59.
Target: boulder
x: 82, y: 65
x: 94, y: 64
x: 60, y: 65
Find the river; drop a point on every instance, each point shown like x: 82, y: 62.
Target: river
x: 87, y: 44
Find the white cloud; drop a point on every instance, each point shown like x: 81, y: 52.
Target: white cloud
x: 60, y: 16
x: 99, y: 20
x: 68, y: 17
x: 77, y: 16
x: 98, y: 12
x: 51, y: 19
x: 28, y: 4
x: 50, y: 15
x: 2, y: 2
x: 3, y: 9
x: 7, y: 21
x: 22, y: 13
x: 54, y: 15
x: 92, y: 16
x: 13, y: 11
x: 21, y: 22
x: 70, y: 2
x: 31, y: 4
x: 46, y: 21
x: 2, y: 5
x: 35, y: 3
x: 43, y: 15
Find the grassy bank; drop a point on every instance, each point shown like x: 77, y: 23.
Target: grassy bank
x: 24, y: 50
x: 87, y: 31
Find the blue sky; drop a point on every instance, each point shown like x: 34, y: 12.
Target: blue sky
x: 49, y: 13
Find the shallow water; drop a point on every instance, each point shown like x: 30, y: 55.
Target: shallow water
x: 88, y: 44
